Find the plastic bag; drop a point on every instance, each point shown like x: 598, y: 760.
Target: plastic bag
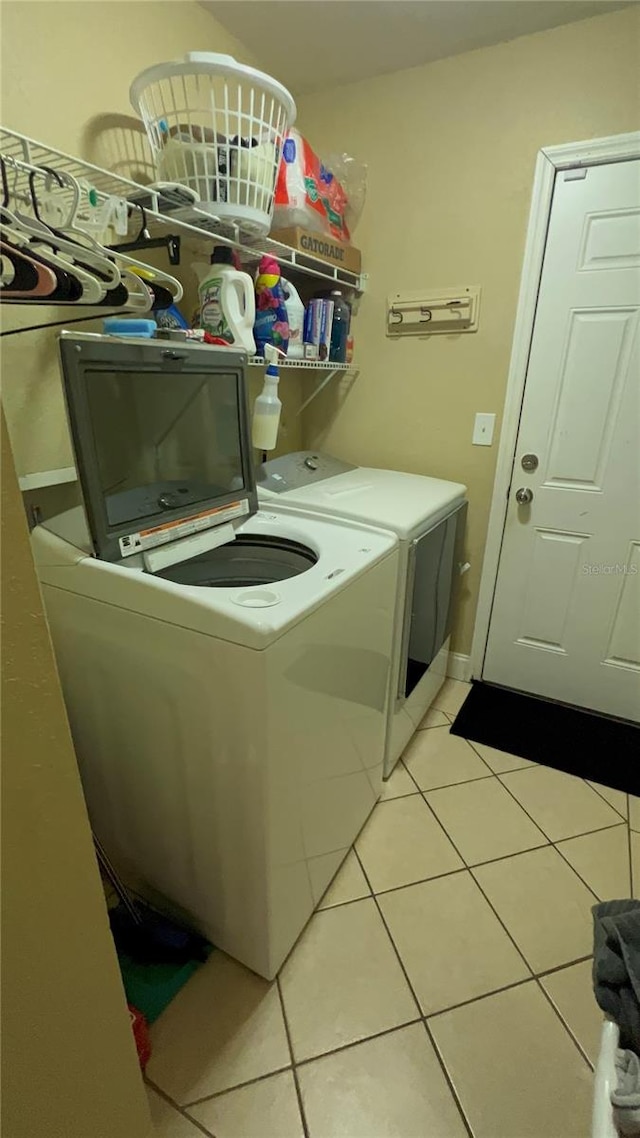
x: 352, y: 176
x: 308, y: 194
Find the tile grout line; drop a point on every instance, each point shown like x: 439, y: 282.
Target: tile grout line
x: 401, y: 760
x: 179, y: 1109
x: 478, y: 755
x: 560, y: 967
x: 516, y: 983
x: 529, y: 966
x: 303, y: 1116
x: 588, y: 833
x: 450, y: 785
x: 475, y: 864
x: 431, y: 726
x: 507, y: 987
x: 490, y: 772
x: 465, y: 1121
x: 396, y: 797
x: 565, y: 1024
x: 464, y: 867
x: 554, y: 843
x: 570, y: 836
x: 393, y: 943
x: 596, y: 791
x: 399, y: 888
x: 235, y: 1087
x: 356, y: 1042
x: 474, y: 744
x: 498, y: 917
x: 523, y: 808
x: 536, y: 976
x: 578, y: 875
x: 421, y: 1018
x: 533, y: 763
x: 424, y: 1016
x: 477, y: 999
x: 479, y: 886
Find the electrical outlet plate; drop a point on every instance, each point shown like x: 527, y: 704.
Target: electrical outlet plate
x: 425, y: 313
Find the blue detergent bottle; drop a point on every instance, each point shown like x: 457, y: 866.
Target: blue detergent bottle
x: 271, y: 323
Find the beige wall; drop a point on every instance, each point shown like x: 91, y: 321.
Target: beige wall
x: 451, y: 150
x: 67, y: 84
x: 69, y: 1067
x: 69, y: 87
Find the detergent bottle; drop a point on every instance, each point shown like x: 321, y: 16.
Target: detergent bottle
x: 295, y: 317
x: 271, y: 324
x: 227, y: 302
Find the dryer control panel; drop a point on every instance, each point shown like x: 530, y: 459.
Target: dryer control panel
x: 299, y: 469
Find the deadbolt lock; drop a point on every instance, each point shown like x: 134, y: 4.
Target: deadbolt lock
x: 529, y: 462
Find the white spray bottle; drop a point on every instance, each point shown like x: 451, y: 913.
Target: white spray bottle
x: 267, y: 407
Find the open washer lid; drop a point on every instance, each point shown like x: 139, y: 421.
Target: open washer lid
x: 391, y: 499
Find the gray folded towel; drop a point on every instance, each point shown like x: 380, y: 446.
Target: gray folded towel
x: 625, y: 1100
x: 616, y: 966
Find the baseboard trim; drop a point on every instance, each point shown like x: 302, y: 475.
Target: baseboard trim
x: 459, y: 666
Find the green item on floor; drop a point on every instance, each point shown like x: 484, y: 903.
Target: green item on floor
x: 151, y: 987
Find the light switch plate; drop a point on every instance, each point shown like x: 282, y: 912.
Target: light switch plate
x: 483, y: 429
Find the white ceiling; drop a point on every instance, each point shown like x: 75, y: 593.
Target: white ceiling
x: 312, y: 44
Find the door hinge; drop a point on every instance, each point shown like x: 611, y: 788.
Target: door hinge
x: 575, y: 175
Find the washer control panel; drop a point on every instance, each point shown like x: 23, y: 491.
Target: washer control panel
x: 299, y: 469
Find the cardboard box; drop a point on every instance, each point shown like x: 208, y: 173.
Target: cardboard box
x: 335, y: 253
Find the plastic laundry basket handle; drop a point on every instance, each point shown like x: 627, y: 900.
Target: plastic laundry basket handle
x: 209, y: 57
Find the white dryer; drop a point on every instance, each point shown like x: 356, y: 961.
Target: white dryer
x: 428, y: 515
x: 227, y: 684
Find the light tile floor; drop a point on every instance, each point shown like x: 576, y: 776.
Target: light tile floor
x: 443, y: 987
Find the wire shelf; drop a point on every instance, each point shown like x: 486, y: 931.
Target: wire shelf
x: 308, y: 365
x: 162, y: 212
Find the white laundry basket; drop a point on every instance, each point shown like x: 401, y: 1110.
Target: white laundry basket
x: 217, y: 127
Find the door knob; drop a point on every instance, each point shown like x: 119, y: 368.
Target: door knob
x: 524, y: 496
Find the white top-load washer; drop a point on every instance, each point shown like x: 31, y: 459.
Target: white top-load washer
x: 227, y: 684
x: 428, y: 515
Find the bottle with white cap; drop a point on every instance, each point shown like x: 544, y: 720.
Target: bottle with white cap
x: 267, y: 407
x: 295, y: 316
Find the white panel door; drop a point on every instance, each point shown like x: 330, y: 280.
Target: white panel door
x: 565, y: 621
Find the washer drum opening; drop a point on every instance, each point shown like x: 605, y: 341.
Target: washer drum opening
x: 252, y: 559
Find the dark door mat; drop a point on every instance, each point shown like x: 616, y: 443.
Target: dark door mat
x: 578, y: 742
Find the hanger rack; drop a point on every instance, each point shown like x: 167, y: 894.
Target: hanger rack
x: 144, y: 240
x: 53, y: 232
x: 187, y: 221
x: 172, y: 243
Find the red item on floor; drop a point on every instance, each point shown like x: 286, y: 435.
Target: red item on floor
x: 140, y: 1030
